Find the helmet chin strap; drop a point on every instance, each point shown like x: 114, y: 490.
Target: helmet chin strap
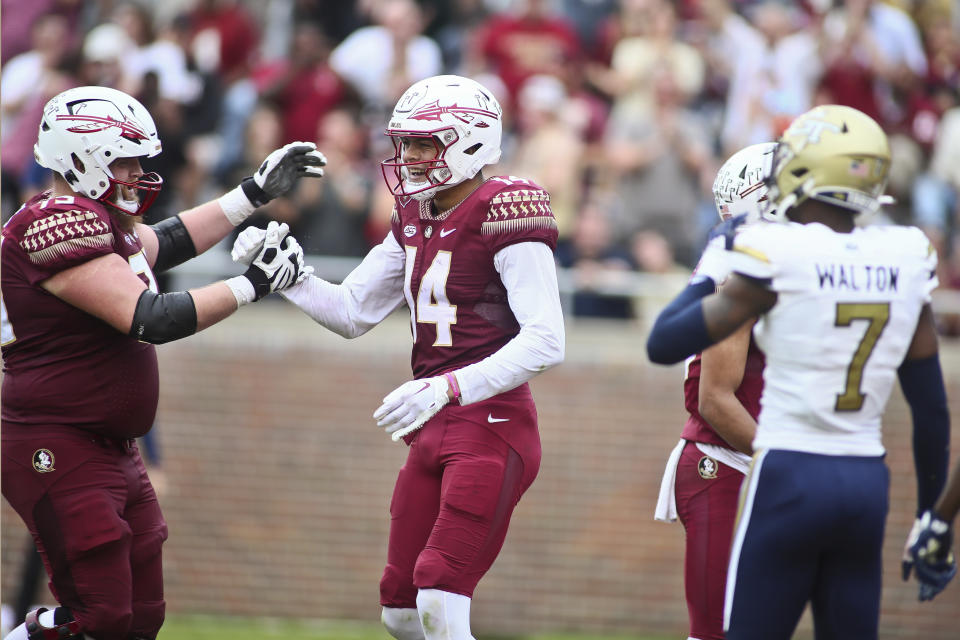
x: 426, y: 194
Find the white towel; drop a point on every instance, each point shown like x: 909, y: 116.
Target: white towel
x: 667, y: 502
x: 730, y: 457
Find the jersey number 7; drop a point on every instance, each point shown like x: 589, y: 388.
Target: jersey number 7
x: 877, y: 314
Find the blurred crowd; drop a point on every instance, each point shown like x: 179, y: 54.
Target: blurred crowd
x: 622, y: 109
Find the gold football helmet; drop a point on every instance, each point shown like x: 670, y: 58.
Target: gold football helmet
x: 834, y: 154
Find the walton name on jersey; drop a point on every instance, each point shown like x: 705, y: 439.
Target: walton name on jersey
x: 858, y: 277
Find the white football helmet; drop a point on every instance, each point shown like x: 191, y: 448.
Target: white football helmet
x: 84, y: 129
x: 740, y: 185
x: 464, y: 121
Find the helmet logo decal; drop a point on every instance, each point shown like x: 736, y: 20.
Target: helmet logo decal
x: 811, y: 129
x: 433, y: 111
x: 92, y: 124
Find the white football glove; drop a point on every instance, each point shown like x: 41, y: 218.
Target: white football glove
x: 281, y: 170
x: 279, y: 263
x: 409, y: 406
x: 249, y: 244
x: 928, y: 553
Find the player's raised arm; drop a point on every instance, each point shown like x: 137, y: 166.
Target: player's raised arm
x: 179, y: 238
x: 89, y: 248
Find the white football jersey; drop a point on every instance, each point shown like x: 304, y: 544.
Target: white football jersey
x: 847, y: 308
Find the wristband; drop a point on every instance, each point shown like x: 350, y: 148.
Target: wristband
x: 236, y: 205
x: 254, y: 192
x: 454, y: 385
x: 242, y: 289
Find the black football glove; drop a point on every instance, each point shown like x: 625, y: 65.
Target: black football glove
x: 281, y: 170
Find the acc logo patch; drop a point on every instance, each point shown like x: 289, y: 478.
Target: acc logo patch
x: 707, y: 467
x: 43, y: 460
x: 409, y: 231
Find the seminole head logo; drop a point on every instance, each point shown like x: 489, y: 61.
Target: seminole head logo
x: 43, y: 460
x: 90, y: 116
x: 434, y: 111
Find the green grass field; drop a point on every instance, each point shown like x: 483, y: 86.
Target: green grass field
x: 211, y: 628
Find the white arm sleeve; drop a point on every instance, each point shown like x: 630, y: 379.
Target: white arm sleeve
x: 529, y: 273
x: 369, y: 294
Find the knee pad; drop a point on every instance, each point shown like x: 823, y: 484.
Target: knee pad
x: 402, y: 624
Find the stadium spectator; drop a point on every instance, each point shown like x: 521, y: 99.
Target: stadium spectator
x: 156, y: 51
x: 73, y: 406
x: 816, y: 501
x: 734, y: 52
x: 381, y: 60
x: 532, y: 38
x: 28, y: 81
x: 550, y: 145
x: 789, y: 74
x: 637, y: 59
x: 655, y: 163
x: 485, y: 317
x: 223, y: 40
x: 595, y: 263
x: 303, y: 85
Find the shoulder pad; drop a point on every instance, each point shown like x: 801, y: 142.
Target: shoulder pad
x: 66, y: 231
x: 516, y: 207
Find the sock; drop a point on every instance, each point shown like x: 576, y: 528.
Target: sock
x: 444, y: 615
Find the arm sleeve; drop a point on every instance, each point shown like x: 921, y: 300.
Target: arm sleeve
x: 369, y: 294
x: 922, y: 385
x: 530, y: 277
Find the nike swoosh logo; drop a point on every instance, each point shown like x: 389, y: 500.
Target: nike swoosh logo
x: 444, y: 233
x: 491, y: 419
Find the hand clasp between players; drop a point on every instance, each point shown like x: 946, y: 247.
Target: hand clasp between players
x: 409, y: 406
x: 928, y: 552
x: 275, y: 261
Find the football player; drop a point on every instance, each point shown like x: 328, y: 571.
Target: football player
x: 842, y: 310
x: 721, y: 390
x: 471, y: 256
x: 81, y: 314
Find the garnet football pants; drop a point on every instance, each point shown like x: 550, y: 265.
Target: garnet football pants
x: 454, y: 497
x: 706, y: 492
x: 95, y: 519
x: 811, y: 530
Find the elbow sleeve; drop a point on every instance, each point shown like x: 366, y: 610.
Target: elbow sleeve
x: 164, y: 317
x: 174, y: 244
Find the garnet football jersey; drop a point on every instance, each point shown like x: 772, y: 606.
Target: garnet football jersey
x: 63, y: 366
x: 458, y: 304
x: 748, y: 393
